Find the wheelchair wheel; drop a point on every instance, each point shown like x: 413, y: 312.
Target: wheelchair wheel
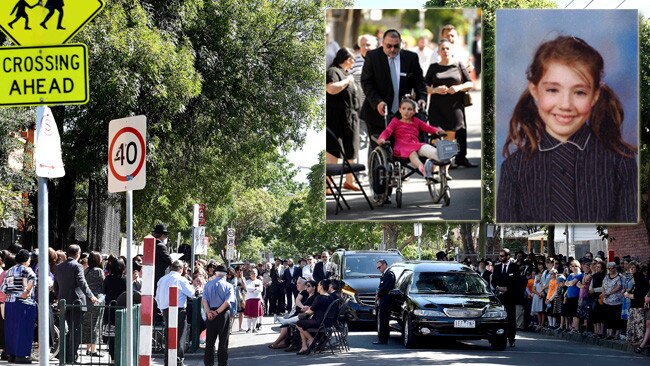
x: 398, y: 198
x: 447, y: 196
x: 434, y: 191
x: 380, y: 173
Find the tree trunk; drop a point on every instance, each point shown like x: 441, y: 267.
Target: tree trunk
x: 550, y: 245
x: 467, y: 239
x: 390, y: 234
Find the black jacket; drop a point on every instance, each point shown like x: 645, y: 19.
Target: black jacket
x: 163, y: 260
x: 510, y: 280
x: 378, y: 86
x: 289, y: 280
x: 70, y: 283
x: 386, y: 284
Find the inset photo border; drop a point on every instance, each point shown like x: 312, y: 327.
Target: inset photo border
x: 569, y: 158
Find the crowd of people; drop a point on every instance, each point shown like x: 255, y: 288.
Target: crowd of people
x: 600, y: 297
x: 94, y: 287
x: 594, y: 295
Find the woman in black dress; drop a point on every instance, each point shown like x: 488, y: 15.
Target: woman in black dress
x: 342, y: 105
x: 317, y: 311
x: 447, y: 82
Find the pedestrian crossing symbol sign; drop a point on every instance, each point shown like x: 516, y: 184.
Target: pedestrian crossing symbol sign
x: 46, y: 22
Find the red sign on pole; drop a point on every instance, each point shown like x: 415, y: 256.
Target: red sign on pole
x: 201, y: 214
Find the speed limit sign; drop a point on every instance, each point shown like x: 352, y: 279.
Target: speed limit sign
x: 127, y: 154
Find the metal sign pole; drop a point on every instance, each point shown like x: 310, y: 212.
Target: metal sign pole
x: 129, y: 278
x: 43, y: 264
x: 419, y: 252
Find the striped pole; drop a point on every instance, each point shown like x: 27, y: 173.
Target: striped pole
x: 146, y: 305
x: 172, y: 326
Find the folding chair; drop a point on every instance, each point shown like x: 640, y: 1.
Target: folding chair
x: 323, y: 334
x: 341, y: 327
x: 342, y: 169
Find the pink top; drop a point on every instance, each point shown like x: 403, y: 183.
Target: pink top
x: 407, y: 137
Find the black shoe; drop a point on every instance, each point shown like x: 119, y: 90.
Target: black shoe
x: 259, y: 326
x: 11, y: 358
x: 379, y: 342
x: 4, y: 356
x: 466, y: 163
x: 23, y: 360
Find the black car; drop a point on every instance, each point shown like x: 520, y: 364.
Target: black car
x: 358, y: 271
x: 445, y: 299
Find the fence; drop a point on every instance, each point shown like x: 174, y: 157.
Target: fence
x: 111, y: 319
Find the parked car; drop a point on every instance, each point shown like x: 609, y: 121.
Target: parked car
x: 358, y: 271
x: 445, y: 299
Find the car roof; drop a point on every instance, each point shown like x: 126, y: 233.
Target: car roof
x: 370, y: 251
x: 432, y: 266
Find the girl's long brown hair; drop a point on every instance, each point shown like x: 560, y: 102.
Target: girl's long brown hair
x: 606, y: 118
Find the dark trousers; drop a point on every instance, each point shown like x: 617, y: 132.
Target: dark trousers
x: 461, y: 138
x: 292, y: 292
x: 279, y: 300
x: 383, y: 318
x: 180, y: 334
x: 73, y: 318
x: 19, y: 328
x: 217, y: 327
x: 511, y: 310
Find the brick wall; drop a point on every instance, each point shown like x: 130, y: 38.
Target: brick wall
x: 632, y: 240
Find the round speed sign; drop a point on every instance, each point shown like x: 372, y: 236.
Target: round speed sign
x: 127, y: 154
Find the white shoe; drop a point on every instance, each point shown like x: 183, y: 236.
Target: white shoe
x: 428, y: 168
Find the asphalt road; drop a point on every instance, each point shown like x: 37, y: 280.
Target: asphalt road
x: 531, y: 349
x: 417, y: 204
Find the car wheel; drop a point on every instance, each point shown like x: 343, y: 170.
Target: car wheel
x: 499, y: 343
x: 407, y: 334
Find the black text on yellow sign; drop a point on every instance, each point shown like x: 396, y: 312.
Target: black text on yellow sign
x: 46, y: 75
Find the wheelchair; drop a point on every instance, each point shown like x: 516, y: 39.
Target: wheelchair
x: 387, y: 172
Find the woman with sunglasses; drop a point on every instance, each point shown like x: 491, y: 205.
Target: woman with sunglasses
x: 303, y: 301
x: 317, y: 312
x: 570, y: 308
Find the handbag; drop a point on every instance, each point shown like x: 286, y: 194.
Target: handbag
x: 467, y: 98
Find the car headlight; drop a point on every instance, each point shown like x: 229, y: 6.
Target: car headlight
x: 495, y: 312
x: 432, y: 313
x: 349, y: 293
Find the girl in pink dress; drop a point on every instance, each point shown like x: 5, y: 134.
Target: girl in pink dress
x: 407, y: 142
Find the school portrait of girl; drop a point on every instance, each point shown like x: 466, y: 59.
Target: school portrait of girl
x: 567, y: 116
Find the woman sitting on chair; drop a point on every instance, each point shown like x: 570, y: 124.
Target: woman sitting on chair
x: 317, y: 311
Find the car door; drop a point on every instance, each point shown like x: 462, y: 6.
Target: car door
x: 398, y: 303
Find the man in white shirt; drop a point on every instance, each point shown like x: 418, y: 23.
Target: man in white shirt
x: 185, y: 290
x: 308, y: 269
x: 424, y: 52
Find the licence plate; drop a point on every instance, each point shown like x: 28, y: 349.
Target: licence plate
x: 464, y: 323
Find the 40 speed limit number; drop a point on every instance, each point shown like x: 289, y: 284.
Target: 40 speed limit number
x: 127, y: 154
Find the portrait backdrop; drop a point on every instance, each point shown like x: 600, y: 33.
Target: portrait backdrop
x: 613, y: 33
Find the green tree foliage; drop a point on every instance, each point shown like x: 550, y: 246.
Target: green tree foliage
x: 12, y: 181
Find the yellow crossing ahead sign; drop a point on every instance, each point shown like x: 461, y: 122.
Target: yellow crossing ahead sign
x: 45, y: 75
x: 46, y: 22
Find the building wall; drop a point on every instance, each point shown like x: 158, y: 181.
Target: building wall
x: 630, y: 240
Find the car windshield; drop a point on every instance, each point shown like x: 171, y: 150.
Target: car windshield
x: 365, y: 265
x: 462, y: 283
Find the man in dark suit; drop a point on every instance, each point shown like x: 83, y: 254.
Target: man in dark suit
x: 163, y: 259
x: 291, y: 275
x: 323, y: 269
x: 71, y: 286
x: 383, y: 300
x: 505, y: 282
x: 383, y: 68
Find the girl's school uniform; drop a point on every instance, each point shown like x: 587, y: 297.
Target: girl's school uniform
x: 579, y: 180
